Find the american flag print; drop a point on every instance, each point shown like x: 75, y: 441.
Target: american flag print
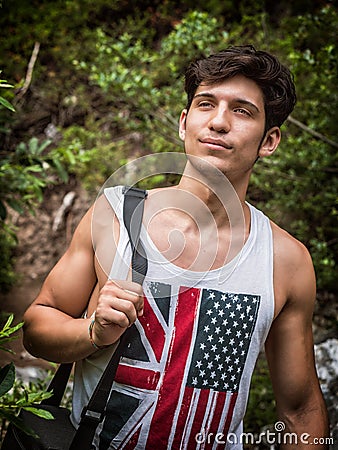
x: 181, y: 370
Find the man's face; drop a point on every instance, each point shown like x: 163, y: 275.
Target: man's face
x: 225, y: 125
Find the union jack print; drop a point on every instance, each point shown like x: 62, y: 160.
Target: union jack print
x: 181, y: 370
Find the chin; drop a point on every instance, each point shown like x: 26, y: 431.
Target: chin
x: 209, y: 166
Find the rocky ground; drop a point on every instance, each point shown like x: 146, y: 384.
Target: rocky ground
x: 43, y: 239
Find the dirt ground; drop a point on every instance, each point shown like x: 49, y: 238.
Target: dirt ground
x: 39, y: 249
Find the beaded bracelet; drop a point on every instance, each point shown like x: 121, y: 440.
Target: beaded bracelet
x: 90, y: 331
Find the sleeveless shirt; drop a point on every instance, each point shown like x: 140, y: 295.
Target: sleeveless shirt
x: 184, y: 379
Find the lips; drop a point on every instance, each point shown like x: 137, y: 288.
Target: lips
x: 216, y: 143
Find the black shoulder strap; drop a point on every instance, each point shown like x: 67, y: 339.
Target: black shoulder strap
x: 58, y: 384
x: 132, y: 216
x: 93, y: 414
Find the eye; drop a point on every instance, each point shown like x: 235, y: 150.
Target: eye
x: 242, y: 111
x: 205, y: 104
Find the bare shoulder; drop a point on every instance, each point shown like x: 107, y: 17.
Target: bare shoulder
x: 294, y: 277
x: 105, y: 233
x: 90, y: 227
x: 102, y: 216
x: 289, y: 249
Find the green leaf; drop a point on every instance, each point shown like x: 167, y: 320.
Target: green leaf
x: 39, y: 412
x: 16, y: 327
x: 7, y: 377
x: 7, y: 330
x: 18, y: 422
x: 34, y: 169
x: 16, y: 205
x: 9, y: 322
x: 61, y: 171
x: 6, y: 104
x: 44, y: 145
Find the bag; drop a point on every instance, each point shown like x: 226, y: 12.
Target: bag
x: 54, y: 434
x: 59, y: 433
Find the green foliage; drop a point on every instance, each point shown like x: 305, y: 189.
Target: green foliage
x: 24, y: 173
x: 197, y: 34
x: 6, y: 335
x: 298, y: 186
x: 8, y: 243
x: 14, y: 396
x: 94, y: 157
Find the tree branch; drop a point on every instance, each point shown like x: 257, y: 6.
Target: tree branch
x: 29, y: 73
x: 312, y: 132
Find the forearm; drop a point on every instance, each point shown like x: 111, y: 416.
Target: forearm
x: 53, y: 335
x: 307, y: 427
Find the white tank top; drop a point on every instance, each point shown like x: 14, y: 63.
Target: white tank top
x: 184, y: 380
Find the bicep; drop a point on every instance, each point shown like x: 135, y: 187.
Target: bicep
x: 68, y: 286
x: 289, y: 347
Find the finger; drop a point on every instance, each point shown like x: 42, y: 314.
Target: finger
x: 131, y: 292
x: 113, y: 289
x: 113, y: 310
x: 128, y: 286
x: 127, y: 291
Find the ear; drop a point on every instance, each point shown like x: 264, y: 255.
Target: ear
x: 270, y: 142
x: 182, y: 124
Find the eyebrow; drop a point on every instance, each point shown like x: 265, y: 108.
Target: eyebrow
x: 241, y: 101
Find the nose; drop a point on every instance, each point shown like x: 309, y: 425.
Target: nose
x: 220, y: 121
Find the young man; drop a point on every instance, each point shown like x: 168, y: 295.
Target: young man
x: 222, y: 282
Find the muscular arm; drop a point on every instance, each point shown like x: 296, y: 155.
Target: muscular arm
x: 55, y: 328
x: 50, y: 330
x: 289, y: 347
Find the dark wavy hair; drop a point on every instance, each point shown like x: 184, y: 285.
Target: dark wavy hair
x: 274, y: 79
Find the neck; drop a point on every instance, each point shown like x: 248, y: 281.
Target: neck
x: 221, y: 198
x: 202, y: 222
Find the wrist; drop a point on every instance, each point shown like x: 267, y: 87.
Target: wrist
x: 91, y: 338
